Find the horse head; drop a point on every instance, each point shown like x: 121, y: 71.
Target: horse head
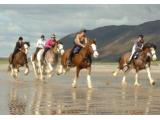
x: 58, y: 48
x: 92, y: 48
x: 150, y: 49
x: 26, y: 46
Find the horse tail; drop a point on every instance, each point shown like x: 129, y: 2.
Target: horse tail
x: 9, y: 68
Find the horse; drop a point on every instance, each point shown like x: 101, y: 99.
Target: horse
x: 82, y: 60
x: 20, y: 59
x: 50, y: 58
x: 143, y: 61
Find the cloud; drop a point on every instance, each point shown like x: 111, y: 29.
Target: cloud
x: 30, y: 21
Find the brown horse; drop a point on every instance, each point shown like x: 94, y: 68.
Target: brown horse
x: 82, y: 60
x: 20, y: 59
x: 147, y: 54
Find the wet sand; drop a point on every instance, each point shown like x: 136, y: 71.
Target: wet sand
x: 55, y: 96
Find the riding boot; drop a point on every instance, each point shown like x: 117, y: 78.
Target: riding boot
x: 70, y: 59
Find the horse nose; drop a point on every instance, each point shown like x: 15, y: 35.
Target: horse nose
x: 95, y: 54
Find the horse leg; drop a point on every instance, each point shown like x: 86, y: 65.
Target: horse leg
x: 89, y: 78
x: 34, y: 68
x: 12, y: 72
x: 124, y: 79
x: 9, y: 67
x: 26, y: 70
x: 136, y: 83
x: 116, y: 72
x: 15, y: 73
x: 152, y: 82
x: 76, y: 77
x: 60, y: 70
x: 50, y: 67
x: 40, y: 70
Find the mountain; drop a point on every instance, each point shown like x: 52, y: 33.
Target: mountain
x: 113, y: 41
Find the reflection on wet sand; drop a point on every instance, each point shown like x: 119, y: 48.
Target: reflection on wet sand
x: 43, y: 101
x: 50, y: 100
x: 56, y: 96
x: 17, y: 103
x: 141, y: 99
x: 87, y: 99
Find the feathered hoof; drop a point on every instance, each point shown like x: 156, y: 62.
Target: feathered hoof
x: 114, y: 74
x: 58, y: 73
x: 137, y: 85
x: 90, y: 87
x: 153, y: 83
x: 74, y: 86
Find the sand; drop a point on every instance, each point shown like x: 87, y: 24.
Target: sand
x: 56, y: 96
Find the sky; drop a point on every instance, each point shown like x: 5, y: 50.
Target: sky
x: 30, y: 21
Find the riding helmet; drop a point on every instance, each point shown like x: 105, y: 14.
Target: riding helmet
x: 53, y: 36
x: 83, y: 30
x: 42, y: 36
x: 140, y: 36
x: 20, y: 38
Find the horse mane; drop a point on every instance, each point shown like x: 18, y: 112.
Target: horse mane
x: 28, y: 43
x: 59, y: 42
x: 149, y: 45
x: 91, y: 41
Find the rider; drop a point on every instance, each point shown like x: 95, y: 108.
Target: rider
x: 49, y: 43
x: 17, y: 48
x: 137, y: 47
x: 40, y: 45
x: 79, y: 42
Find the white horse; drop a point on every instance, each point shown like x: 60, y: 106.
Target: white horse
x: 51, y: 58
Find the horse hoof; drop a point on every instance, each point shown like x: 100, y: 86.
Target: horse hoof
x: 74, y: 86
x: 26, y: 73
x: 137, y: 85
x: 153, y: 83
x: 58, y: 73
x: 114, y: 74
x: 90, y: 87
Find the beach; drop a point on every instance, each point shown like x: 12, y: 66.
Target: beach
x: 55, y: 96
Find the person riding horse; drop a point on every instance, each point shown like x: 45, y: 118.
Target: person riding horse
x: 19, y: 45
x: 49, y: 43
x: 40, y: 45
x: 79, y: 42
x: 137, y: 47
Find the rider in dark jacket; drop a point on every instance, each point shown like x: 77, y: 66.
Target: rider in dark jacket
x: 17, y: 48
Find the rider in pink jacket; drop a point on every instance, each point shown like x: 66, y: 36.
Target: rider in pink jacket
x: 49, y: 43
